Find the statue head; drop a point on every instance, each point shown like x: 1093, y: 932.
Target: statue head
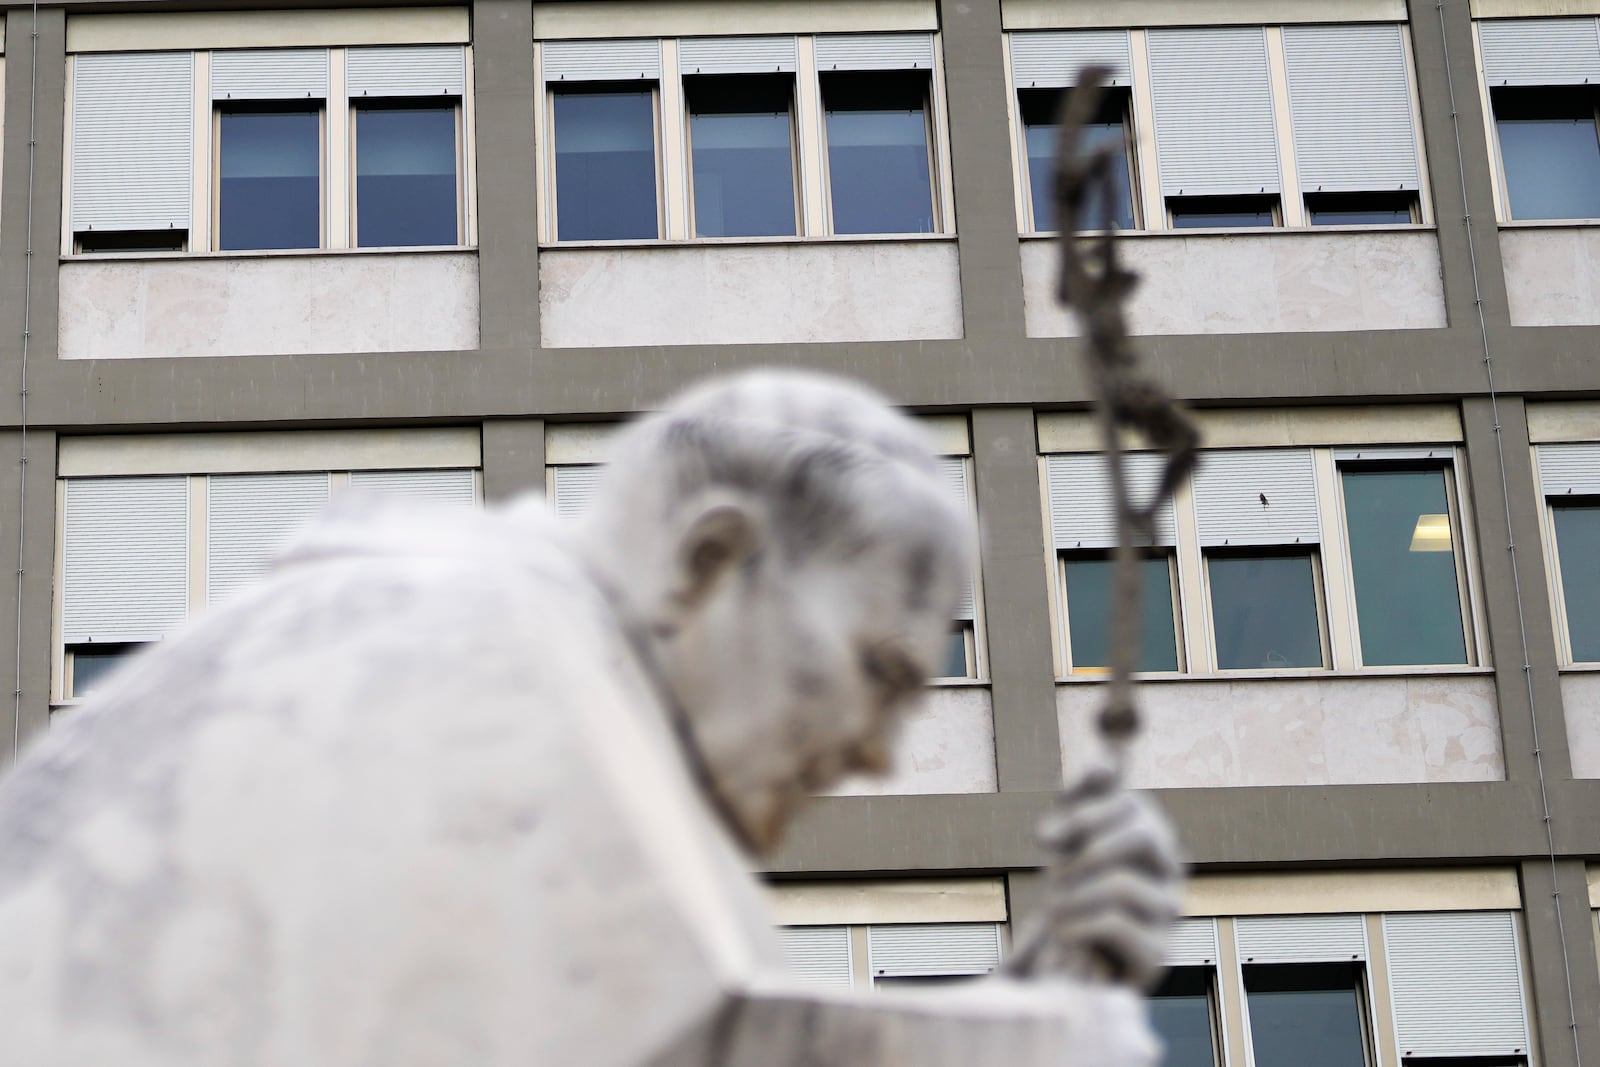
x: 786, y: 550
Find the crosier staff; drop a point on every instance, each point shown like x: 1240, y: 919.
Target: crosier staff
x: 1097, y: 287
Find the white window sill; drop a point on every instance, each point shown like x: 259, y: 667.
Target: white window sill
x: 958, y: 683
x: 1548, y: 224
x: 268, y: 253
x: 1297, y: 675
x: 1579, y: 668
x: 723, y: 242
x: 1247, y: 231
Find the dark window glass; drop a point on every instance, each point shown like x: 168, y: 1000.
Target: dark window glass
x: 742, y: 148
x: 269, y: 192
x: 132, y: 240
x: 1464, y: 1061
x: 921, y: 981
x: 91, y: 664
x: 956, y: 664
x: 877, y: 129
x: 1181, y: 1014
x: 1089, y: 614
x: 1549, y: 151
x: 1359, y: 209
x: 1578, y: 549
x: 1195, y: 212
x: 606, y: 166
x: 1306, y: 1015
x: 1403, y: 567
x: 1264, y: 611
x: 1039, y: 109
x: 406, y: 176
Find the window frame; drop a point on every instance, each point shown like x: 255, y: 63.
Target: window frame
x: 1558, y: 594
x: 1330, y: 555
x: 457, y: 108
x: 674, y: 151
x: 336, y: 165
x: 1319, y: 601
x: 1024, y: 165
x: 1364, y: 988
x: 338, y: 454
x: 797, y: 191
x: 1152, y: 210
x: 1065, y: 555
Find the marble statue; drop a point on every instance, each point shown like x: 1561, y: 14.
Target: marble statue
x: 478, y: 789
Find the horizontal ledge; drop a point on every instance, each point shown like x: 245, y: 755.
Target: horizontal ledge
x: 1223, y: 828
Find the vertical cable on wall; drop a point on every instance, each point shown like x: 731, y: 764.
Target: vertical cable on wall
x: 1511, y: 540
x: 22, y: 390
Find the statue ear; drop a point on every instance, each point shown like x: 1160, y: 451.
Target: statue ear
x: 720, y: 538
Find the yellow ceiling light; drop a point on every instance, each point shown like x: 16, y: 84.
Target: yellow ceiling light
x: 1432, y: 534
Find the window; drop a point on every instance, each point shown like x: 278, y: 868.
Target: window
x: 1222, y: 156
x: 269, y: 177
x: 605, y: 156
x: 1540, y: 75
x: 305, y: 148
x: 741, y: 150
x: 127, y: 541
x: 728, y: 137
x: 1039, y: 109
x: 1273, y: 559
x: 405, y: 165
x: 1264, y: 612
x: 1183, y: 1013
x: 1569, y: 478
x: 880, y: 177
x: 916, y: 955
x: 1403, y: 565
x: 1307, y: 1015
x: 1235, y: 212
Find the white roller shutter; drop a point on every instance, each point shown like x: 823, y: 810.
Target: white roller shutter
x: 270, y: 74
x: 1350, y: 100
x: 603, y: 60
x: 248, y: 518
x: 1052, y: 59
x: 132, y: 141
x: 1540, y: 51
x: 1569, y: 470
x: 1215, y: 134
x: 1081, y: 511
x: 1192, y: 943
x: 125, y: 573
x: 875, y: 51
x: 738, y: 55
x: 918, y: 949
x: 1256, y: 496
x: 424, y: 70
x: 452, y: 488
x: 573, y: 488
x: 954, y: 469
x: 1301, y: 939
x: 818, y: 955
x: 1456, y: 981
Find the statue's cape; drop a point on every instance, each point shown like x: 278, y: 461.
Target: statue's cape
x: 409, y: 793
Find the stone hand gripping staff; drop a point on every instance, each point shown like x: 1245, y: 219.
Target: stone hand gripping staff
x: 483, y: 789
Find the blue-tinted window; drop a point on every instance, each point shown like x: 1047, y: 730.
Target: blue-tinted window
x: 1578, y: 549
x: 406, y: 176
x: 742, y: 147
x: 1264, y: 611
x: 1359, y: 209
x: 1182, y: 1015
x: 878, y: 167
x: 605, y: 143
x: 1039, y: 108
x: 1306, y: 1015
x: 1549, y: 151
x: 1088, y: 587
x: 270, y: 185
x: 1195, y: 212
x: 1403, y: 567
x: 91, y: 664
x: 957, y: 661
